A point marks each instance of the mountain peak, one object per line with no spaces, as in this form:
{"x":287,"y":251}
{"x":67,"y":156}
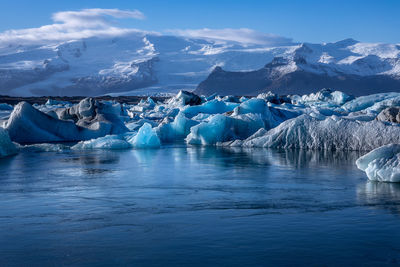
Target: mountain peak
{"x":346,"y":42}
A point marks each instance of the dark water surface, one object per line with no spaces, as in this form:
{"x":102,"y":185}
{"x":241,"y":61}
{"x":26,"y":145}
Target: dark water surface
{"x":195,"y":206}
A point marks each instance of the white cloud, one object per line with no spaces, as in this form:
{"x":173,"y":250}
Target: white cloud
{"x":74,"y":25}
{"x":86,"y":23}
{"x":242,"y":35}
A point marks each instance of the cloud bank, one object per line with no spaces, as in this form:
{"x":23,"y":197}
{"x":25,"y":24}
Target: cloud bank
{"x":242,"y":35}
{"x":86,"y":23}
{"x":71,"y":25}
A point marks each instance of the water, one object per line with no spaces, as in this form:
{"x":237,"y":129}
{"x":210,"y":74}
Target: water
{"x":195,"y":206}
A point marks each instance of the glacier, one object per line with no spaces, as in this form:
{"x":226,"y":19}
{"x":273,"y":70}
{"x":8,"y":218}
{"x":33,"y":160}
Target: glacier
{"x":145,"y":63}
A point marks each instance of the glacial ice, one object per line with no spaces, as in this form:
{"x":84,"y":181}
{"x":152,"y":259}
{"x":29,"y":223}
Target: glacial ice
{"x":374,"y":102}
{"x":84,"y":121}
{"x":324,"y":97}
{"x":175,"y":130}
{"x":382,"y":164}
{"x":331,"y":133}
{"x":221,"y":128}
{"x":214,"y":106}
{"x":105,"y":142}
{"x":145,"y":138}
{"x":7,"y":147}
{"x":53,"y":102}
{"x":5,"y":106}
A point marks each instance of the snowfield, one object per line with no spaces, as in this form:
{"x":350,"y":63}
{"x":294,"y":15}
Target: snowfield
{"x":325,"y":120}
{"x":149,"y":63}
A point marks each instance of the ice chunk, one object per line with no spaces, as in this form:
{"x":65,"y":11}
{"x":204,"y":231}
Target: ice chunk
{"x":178,"y":129}
{"x":325,"y":95}
{"x":7,"y":147}
{"x":29,"y":125}
{"x":45,"y":147}
{"x":184,"y":98}
{"x":332,"y":133}
{"x":382,"y":164}
{"x":211,"y":107}
{"x":145,"y":138}
{"x":106,"y":142}
{"x":222,"y":128}
{"x":272,"y":116}
{"x":4,"y":106}
{"x":364,"y":102}
{"x":53,"y":102}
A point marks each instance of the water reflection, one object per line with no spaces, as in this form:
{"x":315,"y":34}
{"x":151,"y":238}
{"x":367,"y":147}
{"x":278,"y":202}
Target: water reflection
{"x":380,"y":195}
{"x":235,"y":156}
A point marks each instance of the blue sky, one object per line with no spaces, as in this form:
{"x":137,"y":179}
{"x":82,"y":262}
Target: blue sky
{"x":302,"y":20}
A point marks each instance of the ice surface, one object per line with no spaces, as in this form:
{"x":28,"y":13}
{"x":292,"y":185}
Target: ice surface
{"x":324,"y":97}
{"x":364,"y":102}
{"x":145,"y":138}
{"x":221,"y":128}
{"x":331,"y":133}
{"x":106,"y":142}
{"x":211,"y":107}
{"x":7,"y":147}
{"x":382,"y":164}
{"x":178,"y":129}
{"x":53,"y":102}
{"x":29,"y":125}
{"x":4,"y":106}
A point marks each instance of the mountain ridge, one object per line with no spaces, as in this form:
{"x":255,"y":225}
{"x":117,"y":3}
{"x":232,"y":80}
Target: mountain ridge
{"x":143,"y":62}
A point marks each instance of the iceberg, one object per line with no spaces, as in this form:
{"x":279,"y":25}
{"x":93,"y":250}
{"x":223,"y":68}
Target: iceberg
{"x":53,"y":102}
{"x":211,"y":107}
{"x":176,"y":130}
{"x":106,"y":142}
{"x":374,"y":102}
{"x":7,"y":148}
{"x":331,"y":133}
{"x":4,"y":106}
{"x":29,"y":125}
{"x":145,"y":138}
{"x":221,"y":128}
{"x":324,"y":97}
{"x":382,"y":164}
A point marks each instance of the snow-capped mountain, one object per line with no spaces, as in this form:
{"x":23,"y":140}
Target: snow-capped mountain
{"x":353,"y":67}
{"x":139,"y":63}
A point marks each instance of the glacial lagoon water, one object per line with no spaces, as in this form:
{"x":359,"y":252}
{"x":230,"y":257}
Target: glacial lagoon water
{"x":195,"y":206}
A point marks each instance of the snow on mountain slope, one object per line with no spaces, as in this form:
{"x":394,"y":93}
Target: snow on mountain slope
{"x":121,"y":65}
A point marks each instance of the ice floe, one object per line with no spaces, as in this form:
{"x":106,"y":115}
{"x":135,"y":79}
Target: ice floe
{"x":382,"y":164}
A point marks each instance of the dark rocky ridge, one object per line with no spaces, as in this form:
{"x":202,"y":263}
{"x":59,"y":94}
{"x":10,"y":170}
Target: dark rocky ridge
{"x":298,"y":82}
{"x":131,"y":100}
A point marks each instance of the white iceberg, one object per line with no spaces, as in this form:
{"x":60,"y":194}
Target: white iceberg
{"x":331,"y":133}
{"x":373,"y":102}
{"x":105,"y":142}
{"x":382,"y":164}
